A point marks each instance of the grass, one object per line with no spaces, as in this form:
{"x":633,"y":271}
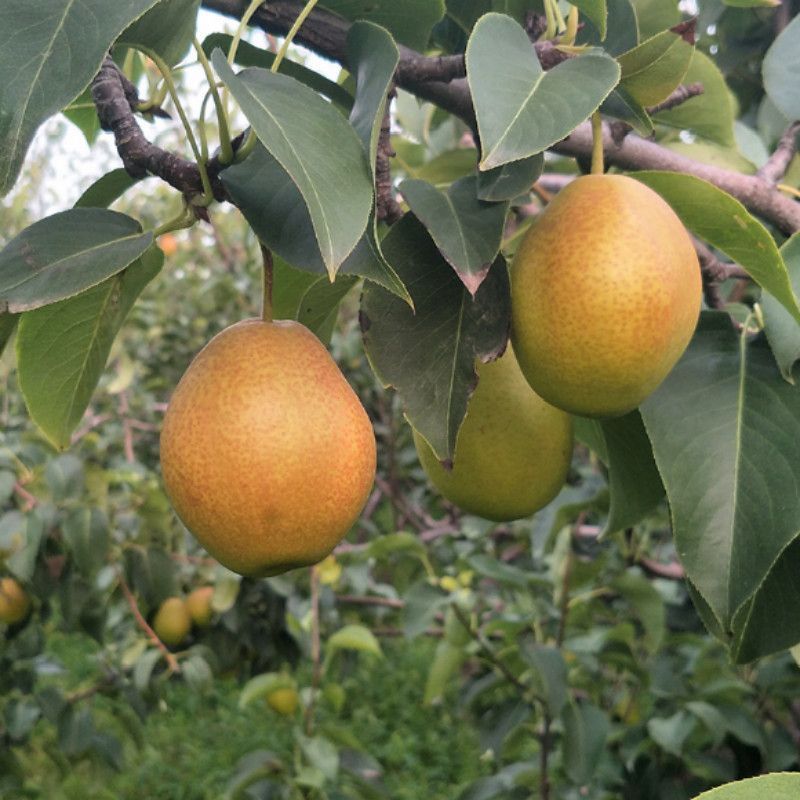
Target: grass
{"x":191,"y":743}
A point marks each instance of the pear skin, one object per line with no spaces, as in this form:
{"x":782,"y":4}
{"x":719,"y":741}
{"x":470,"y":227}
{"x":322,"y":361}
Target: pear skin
{"x":14,"y":601}
{"x":605,"y":296}
{"x":512,"y":452}
{"x":172,"y":622}
{"x":198,"y":604}
{"x":267,"y":454}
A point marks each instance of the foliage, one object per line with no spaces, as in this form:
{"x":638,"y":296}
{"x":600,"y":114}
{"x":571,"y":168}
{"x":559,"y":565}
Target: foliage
{"x":581,"y":661}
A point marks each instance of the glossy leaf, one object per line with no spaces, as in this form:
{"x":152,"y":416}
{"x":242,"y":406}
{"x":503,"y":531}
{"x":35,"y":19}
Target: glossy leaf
{"x":778,"y":786}
{"x":50,"y":51}
{"x":62,"y":348}
{"x":727,"y":225}
{"x":535,"y":108}
{"x":711,"y":114}
{"x":633,"y":481}
{"x":656,"y":15}
{"x":596,"y":11}
{"x":335,"y":181}
{"x":409,"y":22}
{"x":586,"y":729}
{"x":248,"y":55}
{"x":82,"y":113}
{"x":621,"y":104}
{"x":781,"y":328}
{"x":511,"y":180}
{"x":167,"y":28}
{"x":647,"y":604}
{"x":622,"y":32}
{"x":652,"y":70}
{"x":429,"y":356}
{"x":550,"y":675}
{"x":467,"y":231}
{"x":62,"y":255}
{"x":721,"y":422}
{"x":106,"y":189}
{"x":780,"y":69}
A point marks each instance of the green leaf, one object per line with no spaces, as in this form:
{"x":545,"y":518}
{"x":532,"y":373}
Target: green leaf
{"x":106,"y":189}
{"x":447,"y":167}
{"x":780,"y":327}
{"x":248,"y":55}
{"x":354,"y":637}
{"x":409,"y":22}
{"x":780,"y":69}
{"x":670,"y":733}
{"x":656,"y":15}
{"x":23,"y":563}
{"x":647,"y":603}
{"x":510,"y":180}
{"x":550,"y":672}
{"x":447,"y":661}
{"x":596,"y":11}
{"x":727,"y":225}
{"x":83,"y":114}
{"x":711,"y":114}
{"x":62,"y":348}
{"x":429,"y":356}
{"x":86,"y":534}
{"x":62,"y":255}
{"x":335,"y":181}
{"x":622,"y":32}
{"x":168,"y":28}
{"x":51,"y":50}
{"x":586,"y":729}
{"x":652,"y":70}
{"x":721,"y":421}
{"x":633,"y":481}
{"x":620,"y":104}
{"x":778,"y":786}
{"x":467,"y":231}
{"x":535,"y":109}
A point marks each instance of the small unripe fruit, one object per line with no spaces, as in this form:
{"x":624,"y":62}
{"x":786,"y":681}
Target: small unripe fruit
{"x":283,"y":701}
{"x":198,"y":604}
{"x":172,"y":622}
{"x":14,"y":601}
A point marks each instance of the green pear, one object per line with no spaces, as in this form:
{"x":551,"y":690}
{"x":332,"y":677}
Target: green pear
{"x":512,"y":451}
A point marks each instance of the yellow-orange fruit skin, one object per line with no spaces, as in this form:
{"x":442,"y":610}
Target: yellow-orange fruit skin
{"x":172,"y":622}
{"x":283,"y":701}
{"x":606,"y":293}
{"x":198,"y":604}
{"x":513,"y":449}
{"x":14,"y":602}
{"x":267,"y":454}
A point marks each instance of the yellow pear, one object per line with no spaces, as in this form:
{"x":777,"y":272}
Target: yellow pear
{"x":512,"y":451}
{"x":605,"y":296}
{"x":283,"y":701}
{"x":14,"y":601}
{"x":198,"y":604}
{"x":267,"y":454}
{"x":172,"y":622}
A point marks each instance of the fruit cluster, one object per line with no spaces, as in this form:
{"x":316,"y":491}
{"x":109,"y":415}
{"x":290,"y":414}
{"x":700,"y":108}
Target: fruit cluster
{"x":268,"y":456}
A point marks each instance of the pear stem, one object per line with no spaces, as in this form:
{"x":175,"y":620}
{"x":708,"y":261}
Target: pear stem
{"x":597,"y":144}
{"x":266,"y":302}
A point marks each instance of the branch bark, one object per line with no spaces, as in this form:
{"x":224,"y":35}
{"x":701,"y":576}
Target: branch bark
{"x":326,"y":34}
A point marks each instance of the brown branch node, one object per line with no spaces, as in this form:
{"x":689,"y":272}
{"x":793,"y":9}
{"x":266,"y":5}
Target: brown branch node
{"x":777,"y":164}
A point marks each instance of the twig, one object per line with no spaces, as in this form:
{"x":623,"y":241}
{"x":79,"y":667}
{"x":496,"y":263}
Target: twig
{"x":620,"y":129}
{"x":127,"y":430}
{"x":30,"y":500}
{"x":369,"y":600}
{"x":777,"y":164}
{"x":172,"y":662}
{"x":316,"y":676}
{"x":388,"y":208}
{"x":714,"y":272}
{"x":488,"y":650}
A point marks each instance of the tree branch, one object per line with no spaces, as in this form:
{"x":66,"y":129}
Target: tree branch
{"x":326,"y":34}
{"x":779,"y":161}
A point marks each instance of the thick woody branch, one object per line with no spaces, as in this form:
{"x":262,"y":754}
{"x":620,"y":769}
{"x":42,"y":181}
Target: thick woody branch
{"x":714,"y":273}
{"x":326,"y":34}
{"x":388,"y":208}
{"x":779,"y":161}
{"x":115,"y":99}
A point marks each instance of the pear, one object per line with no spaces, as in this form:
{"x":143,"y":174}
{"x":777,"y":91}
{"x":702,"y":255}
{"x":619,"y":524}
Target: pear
{"x":605,"y":296}
{"x":14,"y":601}
{"x":512,"y":451}
{"x":198,"y":604}
{"x":172,"y":622}
{"x":267,"y":454}
{"x":283,"y":701}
